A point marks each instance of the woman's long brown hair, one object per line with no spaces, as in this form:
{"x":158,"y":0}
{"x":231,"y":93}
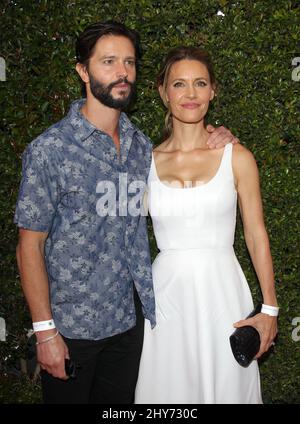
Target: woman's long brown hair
{"x":175,"y":55}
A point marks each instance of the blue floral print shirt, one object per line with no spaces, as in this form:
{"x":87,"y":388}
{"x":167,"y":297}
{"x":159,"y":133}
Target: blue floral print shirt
{"x":88,"y":198}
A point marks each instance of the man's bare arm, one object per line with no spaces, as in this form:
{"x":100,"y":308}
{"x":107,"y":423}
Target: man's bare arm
{"x":34,"y":280}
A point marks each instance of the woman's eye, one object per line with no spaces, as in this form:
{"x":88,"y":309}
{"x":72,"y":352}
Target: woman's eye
{"x":201,"y":83}
{"x":178,"y":84}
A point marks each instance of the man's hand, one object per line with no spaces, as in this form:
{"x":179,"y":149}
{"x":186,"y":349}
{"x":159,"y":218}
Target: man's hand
{"x":51,"y":355}
{"x":219,"y":137}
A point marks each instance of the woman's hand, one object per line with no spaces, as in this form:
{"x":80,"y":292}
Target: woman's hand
{"x":266,"y":325}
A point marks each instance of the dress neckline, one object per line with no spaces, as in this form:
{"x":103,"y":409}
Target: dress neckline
{"x":191,"y":188}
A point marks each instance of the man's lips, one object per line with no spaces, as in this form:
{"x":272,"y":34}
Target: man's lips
{"x":122,"y":85}
{"x":190,"y":105}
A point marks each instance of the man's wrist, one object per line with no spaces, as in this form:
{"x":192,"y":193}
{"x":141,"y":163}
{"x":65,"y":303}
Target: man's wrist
{"x":47,"y":339}
{"x":41,"y":335}
{"x":43,"y":325}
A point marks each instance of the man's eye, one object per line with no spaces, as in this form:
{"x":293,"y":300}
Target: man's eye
{"x":108,"y":61}
{"x":130,"y":62}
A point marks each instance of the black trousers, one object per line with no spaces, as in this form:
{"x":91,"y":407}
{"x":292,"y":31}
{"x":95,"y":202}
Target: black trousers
{"x":108,"y":373}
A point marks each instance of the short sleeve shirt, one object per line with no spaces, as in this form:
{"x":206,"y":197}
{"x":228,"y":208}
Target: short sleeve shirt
{"x":88,"y":199}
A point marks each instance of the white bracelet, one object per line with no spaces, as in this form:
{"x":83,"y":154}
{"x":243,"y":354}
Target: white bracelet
{"x":48,"y":339}
{"x":43,"y":325}
{"x":270,"y":310}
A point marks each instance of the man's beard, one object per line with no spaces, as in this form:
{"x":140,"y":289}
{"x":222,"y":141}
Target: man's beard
{"x":103,"y":93}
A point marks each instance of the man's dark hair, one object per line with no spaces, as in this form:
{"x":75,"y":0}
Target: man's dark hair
{"x":85,"y":44}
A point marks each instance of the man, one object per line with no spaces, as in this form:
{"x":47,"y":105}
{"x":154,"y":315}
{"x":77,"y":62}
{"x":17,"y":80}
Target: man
{"x":84,"y":262}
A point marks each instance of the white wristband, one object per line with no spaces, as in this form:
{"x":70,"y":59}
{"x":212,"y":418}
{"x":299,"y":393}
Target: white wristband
{"x":43,"y":325}
{"x":270,"y":310}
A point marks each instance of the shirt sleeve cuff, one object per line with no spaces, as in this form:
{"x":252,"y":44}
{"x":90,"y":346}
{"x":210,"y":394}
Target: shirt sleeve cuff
{"x":33,"y":226}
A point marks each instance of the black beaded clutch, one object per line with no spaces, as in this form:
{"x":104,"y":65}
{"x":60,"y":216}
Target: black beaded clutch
{"x":245,"y":342}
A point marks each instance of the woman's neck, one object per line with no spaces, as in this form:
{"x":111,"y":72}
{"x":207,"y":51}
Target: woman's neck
{"x":187,"y":137}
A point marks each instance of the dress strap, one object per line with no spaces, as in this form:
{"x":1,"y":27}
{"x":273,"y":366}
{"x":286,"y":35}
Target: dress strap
{"x":226,"y":164}
{"x":152,"y":173}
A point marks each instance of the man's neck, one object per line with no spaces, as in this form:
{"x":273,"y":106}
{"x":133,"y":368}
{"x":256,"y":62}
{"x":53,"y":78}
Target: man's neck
{"x":102,"y":117}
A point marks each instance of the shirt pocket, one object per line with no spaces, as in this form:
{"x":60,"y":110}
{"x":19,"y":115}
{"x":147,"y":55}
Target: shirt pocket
{"x":78,"y":206}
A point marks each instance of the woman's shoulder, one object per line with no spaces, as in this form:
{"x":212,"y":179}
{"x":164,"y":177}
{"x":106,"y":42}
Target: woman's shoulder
{"x":160,"y":152}
{"x":243,"y":159}
{"x":242,"y":153}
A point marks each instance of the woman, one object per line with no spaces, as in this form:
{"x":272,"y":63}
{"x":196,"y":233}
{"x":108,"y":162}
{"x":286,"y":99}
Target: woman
{"x":200,"y":289}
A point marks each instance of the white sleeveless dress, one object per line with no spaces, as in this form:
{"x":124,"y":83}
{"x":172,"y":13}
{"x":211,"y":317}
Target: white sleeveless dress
{"x":200,"y":291}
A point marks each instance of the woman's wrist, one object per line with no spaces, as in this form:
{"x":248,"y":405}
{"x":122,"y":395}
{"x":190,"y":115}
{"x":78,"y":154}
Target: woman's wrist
{"x":270,"y":310}
{"x":269,"y":298}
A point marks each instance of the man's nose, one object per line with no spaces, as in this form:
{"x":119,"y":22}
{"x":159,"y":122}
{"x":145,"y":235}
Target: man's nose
{"x":122,"y":71}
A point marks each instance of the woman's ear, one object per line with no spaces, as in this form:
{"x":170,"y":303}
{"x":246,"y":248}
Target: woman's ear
{"x":82,"y":72}
{"x":161,"y":91}
{"x":163,"y":95}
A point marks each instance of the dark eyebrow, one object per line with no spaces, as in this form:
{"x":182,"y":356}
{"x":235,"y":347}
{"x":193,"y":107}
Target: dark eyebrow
{"x":114,"y":57}
{"x":107,"y":57}
{"x":196,"y":79}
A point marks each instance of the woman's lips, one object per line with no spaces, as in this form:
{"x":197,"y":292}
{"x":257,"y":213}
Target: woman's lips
{"x":190,"y":105}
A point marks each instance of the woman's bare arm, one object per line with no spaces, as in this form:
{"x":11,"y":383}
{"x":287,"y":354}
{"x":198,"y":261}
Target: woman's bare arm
{"x":250,"y":204}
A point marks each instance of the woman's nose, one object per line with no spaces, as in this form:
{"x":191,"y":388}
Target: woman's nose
{"x":190,"y":92}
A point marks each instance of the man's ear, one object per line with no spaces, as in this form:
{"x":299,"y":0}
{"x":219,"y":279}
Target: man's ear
{"x":213,"y":92}
{"x":82,"y":72}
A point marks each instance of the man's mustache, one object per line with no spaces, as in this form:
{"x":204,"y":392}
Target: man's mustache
{"x":120,"y":81}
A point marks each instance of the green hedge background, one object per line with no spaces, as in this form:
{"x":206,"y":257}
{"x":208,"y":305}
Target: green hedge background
{"x":252,"y":43}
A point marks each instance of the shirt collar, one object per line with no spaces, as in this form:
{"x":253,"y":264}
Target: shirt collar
{"x":86,"y":128}
{"x":83,"y":129}
{"x":80,"y":124}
